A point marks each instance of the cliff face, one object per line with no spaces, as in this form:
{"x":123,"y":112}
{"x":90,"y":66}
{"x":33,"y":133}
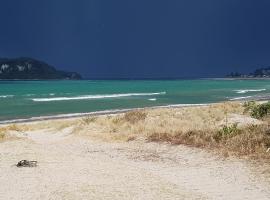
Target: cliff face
{"x":28,"y":68}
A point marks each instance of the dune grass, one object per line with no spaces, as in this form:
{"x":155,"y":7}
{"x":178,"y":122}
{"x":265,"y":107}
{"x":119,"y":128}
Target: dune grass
{"x":144,"y":123}
{"x":204,"y":127}
{"x":250,"y":141}
{"x":5,"y":130}
{"x":2,"y":134}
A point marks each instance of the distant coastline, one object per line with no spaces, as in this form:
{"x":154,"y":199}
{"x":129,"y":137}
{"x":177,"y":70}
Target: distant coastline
{"x":239,"y":78}
{"x":260,"y":73}
{"x":32,"y":69}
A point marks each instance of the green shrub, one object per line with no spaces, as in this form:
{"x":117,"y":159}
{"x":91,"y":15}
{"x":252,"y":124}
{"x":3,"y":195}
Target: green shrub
{"x":257,"y":110}
{"x":227,"y":131}
{"x":261,"y":110}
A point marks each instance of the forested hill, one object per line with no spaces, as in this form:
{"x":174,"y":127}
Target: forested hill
{"x":28,"y":68}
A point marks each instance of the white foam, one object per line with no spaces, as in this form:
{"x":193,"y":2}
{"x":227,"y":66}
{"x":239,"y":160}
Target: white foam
{"x":6,"y":96}
{"x":96,"y":96}
{"x":239,"y":98}
{"x":153,"y":99}
{"x":248,"y":90}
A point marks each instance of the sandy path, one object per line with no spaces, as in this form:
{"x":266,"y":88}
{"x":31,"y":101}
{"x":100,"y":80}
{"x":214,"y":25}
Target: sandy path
{"x":72,"y":167}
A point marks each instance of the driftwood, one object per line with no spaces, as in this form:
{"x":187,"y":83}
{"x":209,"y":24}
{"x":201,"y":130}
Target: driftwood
{"x":26,"y":163}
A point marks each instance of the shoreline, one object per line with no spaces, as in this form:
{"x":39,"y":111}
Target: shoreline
{"x":261,"y":98}
{"x":240,"y":78}
{"x":158,"y":148}
{"x":96,"y":113}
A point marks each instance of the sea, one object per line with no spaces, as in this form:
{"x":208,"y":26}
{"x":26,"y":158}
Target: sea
{"x":20,"y":100}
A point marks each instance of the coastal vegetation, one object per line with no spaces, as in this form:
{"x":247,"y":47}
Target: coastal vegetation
{"x":2,"y":133}
{"x":256,"y":110}
{"x":6,"y":130}
{"x":211,"y":127}
{"x":229,"y":128}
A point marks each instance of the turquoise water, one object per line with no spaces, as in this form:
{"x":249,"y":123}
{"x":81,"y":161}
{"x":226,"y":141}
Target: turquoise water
{"x":26,"y":99}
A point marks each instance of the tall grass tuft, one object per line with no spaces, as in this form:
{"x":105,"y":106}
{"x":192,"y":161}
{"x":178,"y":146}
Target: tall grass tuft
{"x":2,"y":133}
{"x":135,"y":116}
{"x":88,"y":119}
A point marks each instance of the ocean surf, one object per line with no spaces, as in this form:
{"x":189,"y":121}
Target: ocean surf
{"x":27,"y":99}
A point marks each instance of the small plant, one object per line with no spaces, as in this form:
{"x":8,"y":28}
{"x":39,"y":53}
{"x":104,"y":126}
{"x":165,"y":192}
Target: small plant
{"x":116,"y":120}
{"x":3,"y":131}
{"x":13,"y":127}
{"x":135,"y":116}
{"x":227,"y":131}
{"x":253,"y":127}
{"x":2,"y":135}
{"x":249,"y":105}
{"x":89,"y":119}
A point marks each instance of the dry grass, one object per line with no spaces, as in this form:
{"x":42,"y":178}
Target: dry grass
{"x":249,"y":141}
{"x":205,"y":127}
{"x":88,"y":119}
{"x":195,"y":126}
{"x":144,"y":123}
{"x":2,"y":133}
{"x":5,"y":130}
{"x":135,"y":116}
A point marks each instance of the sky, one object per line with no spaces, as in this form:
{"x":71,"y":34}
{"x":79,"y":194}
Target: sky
{"x":139,"y":38}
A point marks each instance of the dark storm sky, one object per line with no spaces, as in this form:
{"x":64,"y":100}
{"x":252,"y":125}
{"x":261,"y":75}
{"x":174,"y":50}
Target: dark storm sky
{"x":139,"y":38}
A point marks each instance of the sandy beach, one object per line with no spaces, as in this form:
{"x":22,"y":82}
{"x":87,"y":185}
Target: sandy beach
{"x":134,"y":100}
{"x":99,"y":160}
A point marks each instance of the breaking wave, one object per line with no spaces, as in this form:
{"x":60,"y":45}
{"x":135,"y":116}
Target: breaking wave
{"x":6,"y":96}
{"x":96,"y":96}
{"x":240,"y":98}
{"x":248,"y":90}
{"x":29,"y":95}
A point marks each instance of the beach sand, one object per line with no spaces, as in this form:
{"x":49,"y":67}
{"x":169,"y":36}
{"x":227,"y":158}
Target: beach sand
{"x":78,"y":166}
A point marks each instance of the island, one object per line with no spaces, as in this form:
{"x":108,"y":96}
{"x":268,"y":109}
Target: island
{"x":32,"y":69}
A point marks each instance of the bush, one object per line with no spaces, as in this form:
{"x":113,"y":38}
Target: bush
{"x":261,"y":111}
{"x":257,"y":111}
